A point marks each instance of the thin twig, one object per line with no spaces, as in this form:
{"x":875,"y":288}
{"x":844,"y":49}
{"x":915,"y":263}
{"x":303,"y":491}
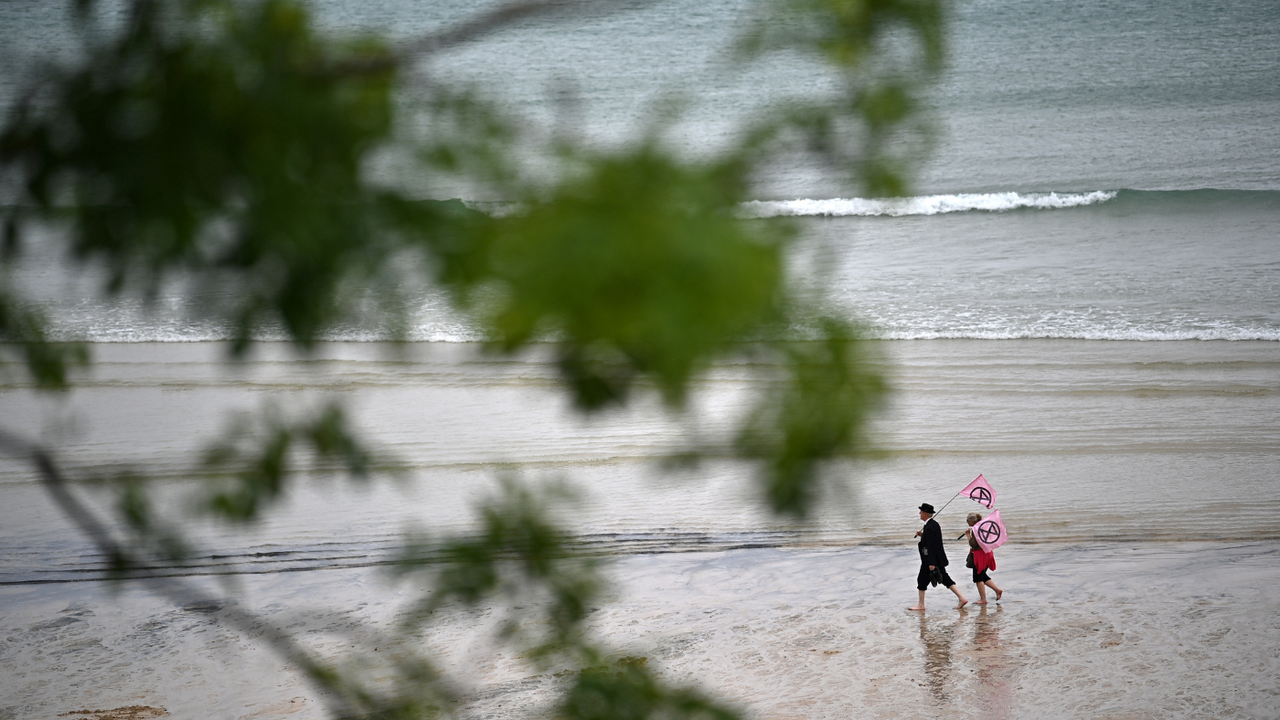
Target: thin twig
{"x":495,"y":20}
{"x":486,"y":24}
{"x":176,"y":591}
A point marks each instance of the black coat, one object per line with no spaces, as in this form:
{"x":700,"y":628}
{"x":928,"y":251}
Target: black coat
{"x":931,"y":550}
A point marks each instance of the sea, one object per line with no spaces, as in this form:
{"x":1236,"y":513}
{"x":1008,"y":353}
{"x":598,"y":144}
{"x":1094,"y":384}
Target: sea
{"x":1079,"y":300}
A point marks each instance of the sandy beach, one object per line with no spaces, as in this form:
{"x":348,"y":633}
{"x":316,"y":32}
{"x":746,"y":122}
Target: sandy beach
{"x":1106,"y":631}
{"x":1134,"y":479}
{"x":1077,"y":299}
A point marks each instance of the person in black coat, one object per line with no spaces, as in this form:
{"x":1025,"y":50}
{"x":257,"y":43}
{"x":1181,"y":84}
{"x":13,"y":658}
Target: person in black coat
{"x":933,"y":559}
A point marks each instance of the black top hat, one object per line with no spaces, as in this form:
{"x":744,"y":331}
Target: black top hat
{"x":926,"y":507}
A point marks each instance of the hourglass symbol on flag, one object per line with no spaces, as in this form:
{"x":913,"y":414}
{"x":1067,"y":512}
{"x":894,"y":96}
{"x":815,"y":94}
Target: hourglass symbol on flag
{"x":990,"y":532}
{"x":981,"y":492}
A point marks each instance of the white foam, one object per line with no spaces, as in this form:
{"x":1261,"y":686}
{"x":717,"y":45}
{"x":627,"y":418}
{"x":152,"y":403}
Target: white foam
{"x":1091,"y":334}
{"x":879,"y":326}
{"x":923,"y":205}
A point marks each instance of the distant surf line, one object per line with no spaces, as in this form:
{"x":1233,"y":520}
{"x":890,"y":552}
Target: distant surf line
{"x":921,"y":205}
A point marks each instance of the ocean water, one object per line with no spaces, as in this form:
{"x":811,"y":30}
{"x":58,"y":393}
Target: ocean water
{"x":1099,"y":172}
{"x":1081,"y":300}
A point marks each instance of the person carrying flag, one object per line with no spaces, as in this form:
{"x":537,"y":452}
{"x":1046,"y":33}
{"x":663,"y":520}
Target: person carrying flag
{"x":981,"y":561}
{"x":933,"y":559}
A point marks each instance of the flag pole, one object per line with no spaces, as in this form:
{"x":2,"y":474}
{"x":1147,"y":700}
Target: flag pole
{"x":944,"y":507}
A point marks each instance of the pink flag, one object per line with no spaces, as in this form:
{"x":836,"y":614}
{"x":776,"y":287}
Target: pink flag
{"x":990,"y":532}
{"x":980,"y":492}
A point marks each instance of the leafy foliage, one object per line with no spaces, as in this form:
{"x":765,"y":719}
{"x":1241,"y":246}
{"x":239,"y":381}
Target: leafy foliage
{"x":47,"y":363}
{"x":627,"y":690}
{"x":226,"y":144}
{"x":254,"y":462}
{"x":232,"y":152}
{"x":816,"y":413}
{"x":861,"y":41}
{"x":520,"y":557}
{"x":637,"y":267}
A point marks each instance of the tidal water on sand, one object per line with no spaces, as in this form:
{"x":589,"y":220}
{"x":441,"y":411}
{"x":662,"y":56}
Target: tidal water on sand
{"x":1119,"y":631}
{"x":1135,"y":479}
{"x":1080,"y":301}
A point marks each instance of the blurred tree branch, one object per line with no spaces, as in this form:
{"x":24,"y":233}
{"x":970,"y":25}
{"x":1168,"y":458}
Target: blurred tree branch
{"x":345,"y":698}
{"x":228,"y":143}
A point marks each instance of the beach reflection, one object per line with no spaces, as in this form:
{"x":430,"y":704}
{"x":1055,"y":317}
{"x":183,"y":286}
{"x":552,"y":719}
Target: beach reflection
{"x":952,"y":662}
{"x":937,"y":638}
{"x":994,"y":667}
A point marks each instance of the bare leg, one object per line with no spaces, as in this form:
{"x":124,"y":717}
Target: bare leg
{"x":993,"y":586}
{"x":982,"y":593}
{"x":920,"y":605}
{"x":963,"y":600}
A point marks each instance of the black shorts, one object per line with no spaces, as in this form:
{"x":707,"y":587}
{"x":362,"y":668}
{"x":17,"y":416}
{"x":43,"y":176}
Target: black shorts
{"x":980,"y":576}
{"x":922,"y":580}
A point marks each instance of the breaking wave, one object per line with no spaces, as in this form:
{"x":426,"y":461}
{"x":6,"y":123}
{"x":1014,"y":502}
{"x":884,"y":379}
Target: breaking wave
{"x":924,"y":205}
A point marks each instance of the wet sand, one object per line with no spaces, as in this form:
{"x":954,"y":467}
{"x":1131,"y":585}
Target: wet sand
{"x":1108,"y":457}
{"x":1104,"y":631}
{"x":1084,"y":441}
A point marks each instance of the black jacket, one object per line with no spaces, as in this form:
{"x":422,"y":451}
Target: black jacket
{"x":931,"y":550}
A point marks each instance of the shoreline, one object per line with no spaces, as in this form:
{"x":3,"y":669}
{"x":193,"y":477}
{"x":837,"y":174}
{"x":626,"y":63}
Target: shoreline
{"x":1074,"y":435}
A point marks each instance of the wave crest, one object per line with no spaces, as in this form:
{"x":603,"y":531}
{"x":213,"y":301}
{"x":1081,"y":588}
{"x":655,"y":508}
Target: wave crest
{"x":923,"y":205}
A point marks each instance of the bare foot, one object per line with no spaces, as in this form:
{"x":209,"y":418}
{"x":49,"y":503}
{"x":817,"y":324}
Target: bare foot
{"x":998,"y":594}
{"x":918,"y":608}
{"x":980,"y":602}
{"x":963,"y":602}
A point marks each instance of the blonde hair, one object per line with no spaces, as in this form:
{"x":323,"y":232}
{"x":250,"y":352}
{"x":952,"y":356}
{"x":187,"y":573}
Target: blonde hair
{"x":972,"y":518}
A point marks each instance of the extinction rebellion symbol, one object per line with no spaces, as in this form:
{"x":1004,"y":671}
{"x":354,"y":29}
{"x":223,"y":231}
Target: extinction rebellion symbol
{"x":982,"y":496}
{"x":988,"y":532}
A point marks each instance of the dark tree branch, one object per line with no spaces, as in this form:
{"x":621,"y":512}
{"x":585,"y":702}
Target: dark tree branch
{"x":488,"y":23}
{"x":495,"y":20}
{"x":54,"y":482}
{"x":175,"y":590}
